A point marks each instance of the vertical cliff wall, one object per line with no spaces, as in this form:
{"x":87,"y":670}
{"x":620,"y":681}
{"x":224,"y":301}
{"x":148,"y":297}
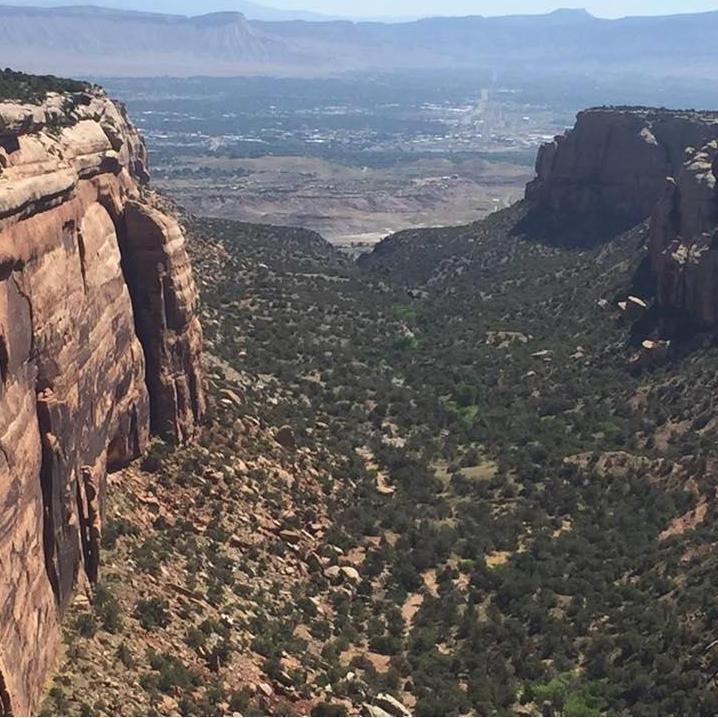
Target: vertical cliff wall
{"x":635,"y":163}
{"x":614,"y":161}
{"x":684,"y":238}
{"x":99,"y":345}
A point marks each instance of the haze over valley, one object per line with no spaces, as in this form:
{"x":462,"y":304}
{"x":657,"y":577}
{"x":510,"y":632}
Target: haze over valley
{"x":358,"y":156}
{"x":353,"y":158}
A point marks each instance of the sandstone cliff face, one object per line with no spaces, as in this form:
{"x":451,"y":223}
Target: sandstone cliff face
{"x":99,"y":344}
{"x":684,"y":239}
{"x":615,"y":161}
{"x":635,"y":163}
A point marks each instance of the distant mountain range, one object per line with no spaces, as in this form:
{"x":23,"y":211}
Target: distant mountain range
{"x":190,"y":8}
{"x":92,"y":41}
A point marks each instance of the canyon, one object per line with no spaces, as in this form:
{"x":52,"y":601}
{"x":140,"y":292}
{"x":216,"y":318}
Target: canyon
{"x":385,"y":441}
{"x":99,"y":346}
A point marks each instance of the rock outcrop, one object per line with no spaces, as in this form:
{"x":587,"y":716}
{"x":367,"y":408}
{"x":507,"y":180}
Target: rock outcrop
{"x":684,"y":239}
{"x":99,"y":344}
{"x":614,"y":162}
{"x":635,"y":163}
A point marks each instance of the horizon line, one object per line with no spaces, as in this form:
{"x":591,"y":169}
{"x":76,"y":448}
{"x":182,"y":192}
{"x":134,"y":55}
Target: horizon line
{"x":388,"y":19}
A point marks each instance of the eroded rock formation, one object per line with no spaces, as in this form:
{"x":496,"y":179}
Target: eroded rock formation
{"x":615,"y":161}
{"x":684,"y":238}
{"x":99,"y":344}
{"x":635,"y":163}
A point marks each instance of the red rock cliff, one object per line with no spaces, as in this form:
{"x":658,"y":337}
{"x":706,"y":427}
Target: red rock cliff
{"x":615,"y":160}
{"x":684,"y":238}
{"x":99,"y":345}
{"x":636,"y":163}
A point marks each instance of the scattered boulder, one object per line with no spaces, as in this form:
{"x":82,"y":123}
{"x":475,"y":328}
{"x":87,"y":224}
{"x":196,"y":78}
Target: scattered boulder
{"x":350,"y":573}
{"x":340,"y":574}
{"x":333,"y":573}
{"x":290,"y":536}
{"x":392,"y":706}
{"x":232,"y":397}
{"x":632,"y":308}
{"x":417,"y":293}
{"x":544,"y":355}
{"x":651,"y":354}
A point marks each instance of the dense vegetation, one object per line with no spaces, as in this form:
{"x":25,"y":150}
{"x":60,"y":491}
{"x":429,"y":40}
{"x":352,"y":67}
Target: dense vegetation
{"x":533,"y":474}
{"x":18,"y":86}
{"x":527,"y":524}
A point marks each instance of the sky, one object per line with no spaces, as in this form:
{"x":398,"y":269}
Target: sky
{"x":600,"y":8}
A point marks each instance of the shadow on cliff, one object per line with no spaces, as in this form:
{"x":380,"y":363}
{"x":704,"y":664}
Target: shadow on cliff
{"x":579,"y":232}
{"x":685,"y":335}
{"x":673,"y":325}
{"x":566,"y":230}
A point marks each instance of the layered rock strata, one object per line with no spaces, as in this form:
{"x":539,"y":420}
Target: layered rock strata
{"x":99,"y":344}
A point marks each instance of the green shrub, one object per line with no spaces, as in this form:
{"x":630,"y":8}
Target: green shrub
{"x":107,"y":609}
{"x":86,"y":625}
{"x":152,"y":613}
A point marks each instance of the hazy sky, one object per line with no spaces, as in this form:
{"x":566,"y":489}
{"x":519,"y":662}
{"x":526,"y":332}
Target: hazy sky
{"x":601,"y":8}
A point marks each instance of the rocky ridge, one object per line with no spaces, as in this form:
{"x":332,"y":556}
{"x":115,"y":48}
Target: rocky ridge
{"x":116,"y":42}
{"x":99,"y":345}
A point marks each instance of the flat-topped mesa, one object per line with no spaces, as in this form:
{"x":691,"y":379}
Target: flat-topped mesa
{"x":99,"y":344}
{"x":614,"y":162}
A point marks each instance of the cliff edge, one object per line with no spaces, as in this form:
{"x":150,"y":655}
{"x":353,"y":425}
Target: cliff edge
{"x":615,"y":160}
{"x":99,"y":346}
{"x":627,"y":164}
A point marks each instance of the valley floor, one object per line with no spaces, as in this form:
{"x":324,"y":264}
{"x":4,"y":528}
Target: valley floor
{"x":431,"y":476}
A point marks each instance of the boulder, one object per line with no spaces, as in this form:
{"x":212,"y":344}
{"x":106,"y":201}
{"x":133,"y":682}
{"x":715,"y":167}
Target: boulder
{"x":392,"y":706}
{"x":350,"y":573}
{"x":653,"y":353}
{"x":374,"y":711}
{"x":333,"y":573}
{"x":632,"y":308}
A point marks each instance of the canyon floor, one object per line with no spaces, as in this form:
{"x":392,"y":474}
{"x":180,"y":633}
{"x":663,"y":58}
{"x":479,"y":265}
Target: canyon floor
{"x":418,"y":490}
